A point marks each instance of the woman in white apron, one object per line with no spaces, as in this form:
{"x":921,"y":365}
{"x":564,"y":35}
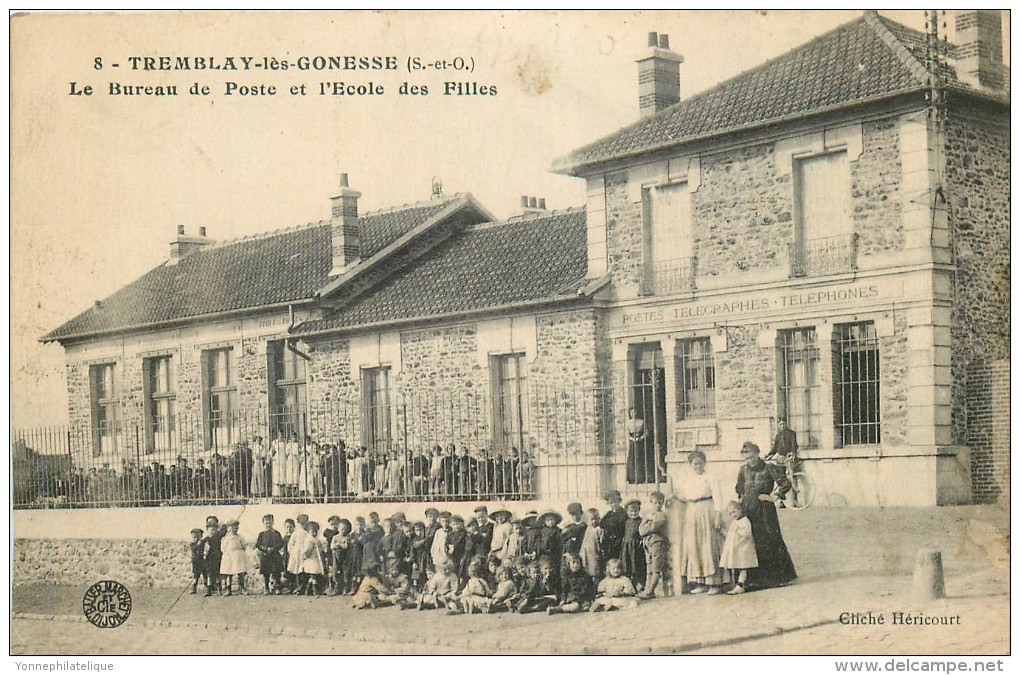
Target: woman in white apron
{"x":258,"y":469}
{"x":702,"y":528}
{"x":278,"y":452}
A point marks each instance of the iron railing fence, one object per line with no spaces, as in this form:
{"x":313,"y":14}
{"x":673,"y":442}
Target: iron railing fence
{"x":669,"y":276}
{"x":827,"y":255}
{"x":440,"y":446}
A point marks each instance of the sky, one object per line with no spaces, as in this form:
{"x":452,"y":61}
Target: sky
{"x":99,"y":183}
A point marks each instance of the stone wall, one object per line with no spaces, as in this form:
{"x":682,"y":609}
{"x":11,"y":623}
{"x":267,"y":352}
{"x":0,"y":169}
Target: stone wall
{"x":977,"y":186}
{"x":893,"y":386}
{"x":567,"y":418}
{"x":443,"y":388}
{"x":745,"y":376}
{"x":80,"y":562}
{"x":623,"y":236}
{"x":743,"y":212}
{"x":875,"y":184}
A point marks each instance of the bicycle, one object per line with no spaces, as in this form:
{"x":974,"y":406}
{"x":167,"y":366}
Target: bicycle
{"x":802,"y":490}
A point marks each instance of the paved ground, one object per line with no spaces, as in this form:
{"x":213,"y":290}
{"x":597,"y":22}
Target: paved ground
{"x":850,"y":560}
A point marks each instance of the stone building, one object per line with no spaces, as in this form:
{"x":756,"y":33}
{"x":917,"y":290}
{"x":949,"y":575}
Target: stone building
{"x":822,"y":239}
{"x":825,"y":239}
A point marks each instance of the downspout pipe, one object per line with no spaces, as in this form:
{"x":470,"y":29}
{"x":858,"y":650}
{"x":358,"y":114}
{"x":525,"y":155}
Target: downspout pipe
{"x":291,"y":341}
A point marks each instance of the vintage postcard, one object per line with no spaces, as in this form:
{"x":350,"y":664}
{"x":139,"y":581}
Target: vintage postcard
{"x":521,"y":332}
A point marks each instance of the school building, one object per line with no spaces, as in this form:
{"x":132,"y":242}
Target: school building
{"x":822,"y":239}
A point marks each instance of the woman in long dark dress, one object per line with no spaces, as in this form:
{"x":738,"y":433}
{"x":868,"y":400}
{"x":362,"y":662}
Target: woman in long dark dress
{"x":637,"y":456}
{"x":756,"y":482}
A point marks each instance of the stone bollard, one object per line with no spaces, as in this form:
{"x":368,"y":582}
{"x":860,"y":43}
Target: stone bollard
{"x":929,"y":583}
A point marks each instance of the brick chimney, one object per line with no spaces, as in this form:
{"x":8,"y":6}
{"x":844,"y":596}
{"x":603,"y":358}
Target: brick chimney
{"x":979,"y":41}
{"x":345,"y":228}
{"x":658,"y":76}
{"x":185,"y":245}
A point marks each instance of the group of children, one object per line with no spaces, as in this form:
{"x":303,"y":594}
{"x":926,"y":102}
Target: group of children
{"x":489,"y":563}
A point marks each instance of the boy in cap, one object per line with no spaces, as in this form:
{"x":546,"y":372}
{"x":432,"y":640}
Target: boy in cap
{"x":656,"y":543}
{"x":197,"y":562}
{"x":269,"y":547}
{"x":212,"y":554}
{"x":482,"y":539}
{"x":532,"y":528}
{"x":613,"y":524}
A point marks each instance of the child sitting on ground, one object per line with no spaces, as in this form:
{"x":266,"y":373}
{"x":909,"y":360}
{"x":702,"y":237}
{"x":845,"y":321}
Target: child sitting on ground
{"x":440,"y":588}
{"x":373,"y":591}
{"x":505,"y":591}
{"x":738,"y":553}
{"x":400,"y":585}
{"x":615,"y":591}
{"x":477,"y":593}
{"x":197,"y":561}
{"x":578,"y":588}
{"x":543,"y":592}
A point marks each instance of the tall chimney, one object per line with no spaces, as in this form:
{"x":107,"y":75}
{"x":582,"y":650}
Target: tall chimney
{"x":979,"y":41}
{"x":345,"y":228}
{"x":183,"y":245}
{"x":658,"y":76}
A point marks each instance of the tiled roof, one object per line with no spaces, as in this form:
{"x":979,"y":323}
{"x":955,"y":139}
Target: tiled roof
{"x":868,"y":58}
{"x":284,"y":266}
{"x":484,"y":267}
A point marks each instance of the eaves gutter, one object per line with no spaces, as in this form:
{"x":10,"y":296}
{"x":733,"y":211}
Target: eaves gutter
{"x":390,"y":323}
{"x":175,"y":322}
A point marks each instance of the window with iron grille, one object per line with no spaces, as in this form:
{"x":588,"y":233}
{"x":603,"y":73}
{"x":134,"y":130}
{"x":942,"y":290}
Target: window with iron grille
{"x":798,"y":384}
{"x":105,"y":404}
{"x":695,"y":379}
{"x":375,"y":388}
{"x":219,"y":389}
{"x":856,"y":384}
{"x":508,"y":373}
{"x":160,"y":403}
{"x":287,"y":390}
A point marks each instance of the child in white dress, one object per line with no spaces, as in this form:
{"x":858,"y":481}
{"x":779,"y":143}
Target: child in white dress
{"x":235,"y":560}
{"x":738,"y":554}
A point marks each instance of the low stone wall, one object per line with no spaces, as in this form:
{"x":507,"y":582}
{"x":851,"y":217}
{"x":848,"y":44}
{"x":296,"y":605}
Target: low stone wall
{"x":81,"y":562}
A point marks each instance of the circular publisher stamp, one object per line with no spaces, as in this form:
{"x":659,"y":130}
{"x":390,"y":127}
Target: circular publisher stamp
{"x":107,"y":604}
